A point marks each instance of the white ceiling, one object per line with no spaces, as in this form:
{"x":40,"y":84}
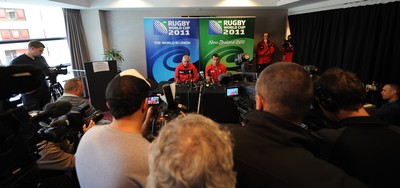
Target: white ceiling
{"x":293,"y":6}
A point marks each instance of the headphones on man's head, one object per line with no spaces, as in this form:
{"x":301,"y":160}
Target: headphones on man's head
{"x":325,"y":99}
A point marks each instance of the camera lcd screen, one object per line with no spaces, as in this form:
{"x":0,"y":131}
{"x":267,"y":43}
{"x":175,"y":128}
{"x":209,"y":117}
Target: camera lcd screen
{"x":153,"y":100}
{"x":231,"y":92}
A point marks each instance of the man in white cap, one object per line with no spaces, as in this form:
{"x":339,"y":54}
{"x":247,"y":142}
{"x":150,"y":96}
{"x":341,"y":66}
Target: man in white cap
{"x":115,"y":155}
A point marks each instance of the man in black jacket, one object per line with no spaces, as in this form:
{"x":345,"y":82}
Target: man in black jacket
{"x":38,"y":98}
{"x":390,"y":112}
{"x":365,"y":147}
{"x":271,"y":149}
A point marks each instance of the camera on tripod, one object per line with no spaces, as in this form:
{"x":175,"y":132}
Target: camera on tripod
{"x":55,"y":71}
{"x":59,"y":69}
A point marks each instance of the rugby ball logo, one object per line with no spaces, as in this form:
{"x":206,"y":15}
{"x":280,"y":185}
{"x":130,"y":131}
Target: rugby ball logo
{"x":214,"y":27}
{"x":160,"y":28}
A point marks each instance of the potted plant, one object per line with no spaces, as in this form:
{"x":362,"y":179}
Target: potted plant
{"x":114,"y":54}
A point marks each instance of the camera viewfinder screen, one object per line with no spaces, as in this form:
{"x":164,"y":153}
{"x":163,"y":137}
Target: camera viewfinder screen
{"x":230,"y":92}
{"x":154,"y":100}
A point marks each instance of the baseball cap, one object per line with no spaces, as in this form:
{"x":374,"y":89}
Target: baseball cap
{"x":127,"y":84}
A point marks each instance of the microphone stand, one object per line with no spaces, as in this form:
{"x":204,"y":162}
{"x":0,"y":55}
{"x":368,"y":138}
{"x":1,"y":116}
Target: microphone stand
{"x":178,"y":81}
{"x":199,"y":100}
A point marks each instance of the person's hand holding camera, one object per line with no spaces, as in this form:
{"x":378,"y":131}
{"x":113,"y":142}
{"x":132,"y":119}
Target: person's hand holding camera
{"x":86,"y":128}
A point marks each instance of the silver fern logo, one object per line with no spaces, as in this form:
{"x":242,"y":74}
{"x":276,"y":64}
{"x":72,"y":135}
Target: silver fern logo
{"x":214,"y":27}
{"x":160,"y":28}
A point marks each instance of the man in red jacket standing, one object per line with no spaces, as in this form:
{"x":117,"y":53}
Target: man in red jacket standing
{"x":265,"y":49}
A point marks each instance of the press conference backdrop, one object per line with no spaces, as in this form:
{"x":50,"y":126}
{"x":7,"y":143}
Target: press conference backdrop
{"x":168,"y":39}
{"x":226,"y":36}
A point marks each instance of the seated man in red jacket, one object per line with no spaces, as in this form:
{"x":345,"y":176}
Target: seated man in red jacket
{"x":215,"y":69}
{"x":186,"y":72}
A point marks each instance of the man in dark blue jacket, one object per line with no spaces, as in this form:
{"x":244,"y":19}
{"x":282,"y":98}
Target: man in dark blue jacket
{"x":390,"y":112}
{"x":365,"y":147}
{"x":272,"y":149}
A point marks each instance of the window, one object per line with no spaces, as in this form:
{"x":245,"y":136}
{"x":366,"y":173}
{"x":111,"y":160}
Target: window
{"x":2,"y":13}
{"x":12,"y":14}
{"x":20,"y":14}
{"x":5,"y":34}
{"x":14,"y":34}
{"x":45,"y":24}
{"x":24,"y":33}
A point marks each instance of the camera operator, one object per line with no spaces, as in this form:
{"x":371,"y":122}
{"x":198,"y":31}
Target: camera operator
{"x":57,"y":161}
{"x":73,"y":93}
{"x":116,"y":155}
{"x":38,"y":98}
{"x":287,"y":49}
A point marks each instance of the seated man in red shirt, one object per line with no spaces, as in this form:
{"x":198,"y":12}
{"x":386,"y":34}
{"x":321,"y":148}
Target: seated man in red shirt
{"x":186,"y":72}
{"x":215,"y":69}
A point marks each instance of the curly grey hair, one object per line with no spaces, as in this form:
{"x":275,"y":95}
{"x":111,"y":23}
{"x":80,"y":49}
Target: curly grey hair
{"x":191,"y":151}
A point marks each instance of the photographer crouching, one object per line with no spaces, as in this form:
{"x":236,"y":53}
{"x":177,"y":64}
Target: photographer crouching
{"x":32,"y":141}
{"x":57,"y":161}
{"x":57,"y":156}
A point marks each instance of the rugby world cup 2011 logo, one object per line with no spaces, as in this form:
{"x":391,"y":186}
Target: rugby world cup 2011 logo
{"x":160,"y":27}
{"x":214,"y":27}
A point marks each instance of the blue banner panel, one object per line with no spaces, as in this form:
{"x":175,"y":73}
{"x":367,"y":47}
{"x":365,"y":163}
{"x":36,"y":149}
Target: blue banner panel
{"x":167,"y":40}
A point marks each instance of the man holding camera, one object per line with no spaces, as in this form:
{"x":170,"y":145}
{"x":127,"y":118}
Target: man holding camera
{"x":287,"y":49}
{"x":38,"y":98}
{"x":116,"y":155}
{"x":265,"y":49}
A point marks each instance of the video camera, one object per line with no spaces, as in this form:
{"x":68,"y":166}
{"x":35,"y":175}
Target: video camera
{"x":243,"y":95}
{"x":287,"y":45}
{"x":243,"y":60}
{"x":22,"y":130}
{"x":17,"y":135}
{"x":55,"y":71}
{"x":165,"y":108}
{"x":59,"y":69}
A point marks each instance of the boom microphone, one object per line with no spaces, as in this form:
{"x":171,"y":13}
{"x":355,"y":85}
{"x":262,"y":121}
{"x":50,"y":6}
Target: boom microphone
{"x":71,"y":120}
{"x":53,"y":110}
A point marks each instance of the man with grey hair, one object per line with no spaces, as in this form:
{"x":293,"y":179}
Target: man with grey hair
{"x":191,"y":151}
{"x":271,"y":148}
{"x":186,"y":71}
